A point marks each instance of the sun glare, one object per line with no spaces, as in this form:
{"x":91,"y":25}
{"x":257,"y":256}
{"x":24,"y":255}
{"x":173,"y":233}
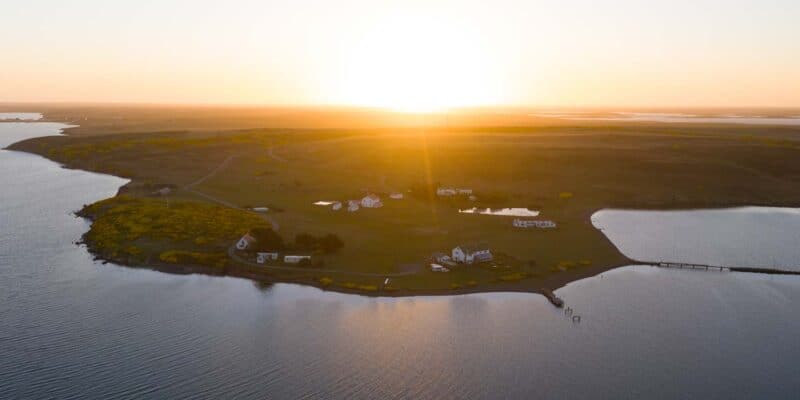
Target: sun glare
{"x":420,"y":64}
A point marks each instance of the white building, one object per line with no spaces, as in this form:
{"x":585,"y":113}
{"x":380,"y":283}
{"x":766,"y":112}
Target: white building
{"x":245,"y":242}
{"x":336,"y":206}
{"x":263,"y":258}
{"x":533,"y":223}
{"x":439,"y":268}
{"x":260,"y":209}
{"x":396,"y":196}
{"x":371,"y":201}
{"x":295,"y":259}
{"x":469,"y":254}
{"x":445,"y":191}
{"x":353,"y":205}
{"x":464,"y":191}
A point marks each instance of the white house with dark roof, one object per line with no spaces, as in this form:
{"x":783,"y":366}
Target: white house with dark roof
{"x":245,"y":242}
{"x":472,"y":253}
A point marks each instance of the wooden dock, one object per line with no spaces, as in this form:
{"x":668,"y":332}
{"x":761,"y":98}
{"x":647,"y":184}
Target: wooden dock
{"x":552,"y":297}
{"x":721,"y":268}
{"x":680,"y":265}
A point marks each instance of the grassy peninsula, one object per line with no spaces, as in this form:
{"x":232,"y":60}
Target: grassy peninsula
{"x":216,"y":173}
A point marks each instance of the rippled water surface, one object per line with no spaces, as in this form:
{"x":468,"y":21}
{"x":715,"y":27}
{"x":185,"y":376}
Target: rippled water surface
{"x":74,"y":328}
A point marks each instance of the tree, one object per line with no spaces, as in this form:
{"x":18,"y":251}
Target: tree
{"x":330,"y":243}
{"x":305,"y":241}
{"x":267,"y":239}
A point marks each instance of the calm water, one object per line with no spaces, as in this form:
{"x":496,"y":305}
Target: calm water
{"x":21,"y":116}
{"x":73,"y":328}
{"x":744,"y":237}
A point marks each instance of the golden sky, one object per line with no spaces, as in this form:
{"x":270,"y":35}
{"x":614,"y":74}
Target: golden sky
{"x":408,"y":55}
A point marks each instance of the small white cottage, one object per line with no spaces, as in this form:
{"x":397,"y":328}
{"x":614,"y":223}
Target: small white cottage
{"x":263,"y":258}
{"x":439,"y":268}
{"x":396,"y":196}
{"x":472,"y":253}
{"x":245,"y":242}
{"x":371,"y":201}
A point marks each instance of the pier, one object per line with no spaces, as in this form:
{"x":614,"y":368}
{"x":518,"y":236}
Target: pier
{"x":721,"y":268}
{"x":552,"y":297}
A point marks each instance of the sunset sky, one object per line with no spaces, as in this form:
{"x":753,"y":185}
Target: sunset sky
{"x":410,"y":55}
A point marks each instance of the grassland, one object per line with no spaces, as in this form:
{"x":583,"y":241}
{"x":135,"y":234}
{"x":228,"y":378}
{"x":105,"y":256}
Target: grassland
{"x":218,"y":173}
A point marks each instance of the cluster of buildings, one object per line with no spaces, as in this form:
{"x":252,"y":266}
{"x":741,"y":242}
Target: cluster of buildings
{"x":265,"y":257}
{"x":462,"y":254}
{"x":446,"y":191}
{"x":369,"y":201}
{"x":533,"y":223}
{"x":247,"y":241}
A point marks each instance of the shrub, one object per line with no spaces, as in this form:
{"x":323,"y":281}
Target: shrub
{"x":516,"y":276}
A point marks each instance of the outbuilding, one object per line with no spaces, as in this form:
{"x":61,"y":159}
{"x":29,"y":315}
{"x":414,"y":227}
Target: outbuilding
{"x":445,"y":191}
{"x":263,"y":258}
{"x":295,"y":259}
{"x":533,"y":223}
{"x":439,"y":268}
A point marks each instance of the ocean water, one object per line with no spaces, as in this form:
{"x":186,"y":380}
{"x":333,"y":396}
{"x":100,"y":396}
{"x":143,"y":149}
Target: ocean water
{"x":72,"y":328}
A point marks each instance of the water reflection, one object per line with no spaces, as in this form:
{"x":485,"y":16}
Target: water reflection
{"x":509,"y":212}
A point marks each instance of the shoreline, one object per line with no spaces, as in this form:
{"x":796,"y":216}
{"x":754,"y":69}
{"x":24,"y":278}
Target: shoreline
{"x":534,"y":284}
{"x":542,"y":286}
{"x":549,"y":284}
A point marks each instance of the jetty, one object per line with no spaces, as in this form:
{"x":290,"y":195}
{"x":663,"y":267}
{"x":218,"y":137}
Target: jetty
{"x":552,"y":297}
{"x":722,"y":268}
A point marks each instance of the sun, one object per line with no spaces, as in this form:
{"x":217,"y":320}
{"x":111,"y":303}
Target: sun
{"x":419,"y":64}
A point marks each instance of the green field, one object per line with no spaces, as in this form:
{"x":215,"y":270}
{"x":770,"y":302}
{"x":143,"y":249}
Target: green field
{"x":625,"y":165}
